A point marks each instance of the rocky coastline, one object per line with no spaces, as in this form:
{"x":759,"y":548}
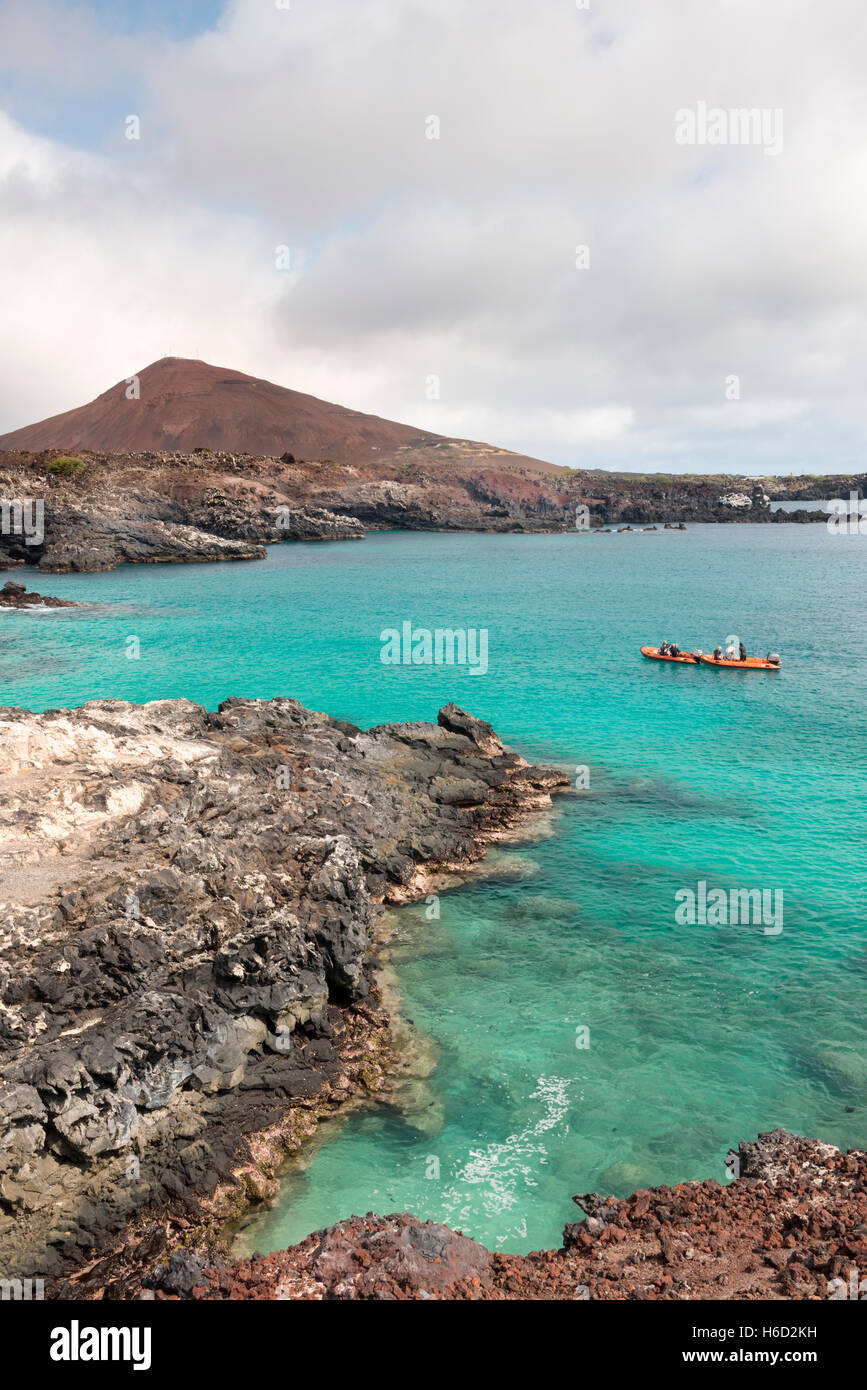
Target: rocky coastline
{"x":187,"y":966}
{"x":189,"y":984}
{"x":793,"y":1225}
{"x":208,"y":506}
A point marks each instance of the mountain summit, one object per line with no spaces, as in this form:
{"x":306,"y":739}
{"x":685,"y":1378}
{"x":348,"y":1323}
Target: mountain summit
{"x":183,"y":404}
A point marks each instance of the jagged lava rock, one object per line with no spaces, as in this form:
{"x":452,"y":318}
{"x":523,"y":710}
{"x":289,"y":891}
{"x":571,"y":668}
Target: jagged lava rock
{"x":188,"y":904}
{"x":792,"y":1226}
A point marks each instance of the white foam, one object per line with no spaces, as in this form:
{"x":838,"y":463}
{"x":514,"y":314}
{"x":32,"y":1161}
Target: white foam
{"x":504,"y":1171}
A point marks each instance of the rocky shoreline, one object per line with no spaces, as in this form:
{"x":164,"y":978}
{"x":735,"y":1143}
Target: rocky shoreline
{"x":211,"y":506}
{"x":187,"y":981}
{"x":793,"y":1225}
{"x":189,"y":984}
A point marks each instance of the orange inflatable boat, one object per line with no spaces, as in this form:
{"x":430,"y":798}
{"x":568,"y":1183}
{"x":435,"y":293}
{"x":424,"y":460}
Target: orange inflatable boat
{"x":685,"y":658}
{"x":752,"y":663}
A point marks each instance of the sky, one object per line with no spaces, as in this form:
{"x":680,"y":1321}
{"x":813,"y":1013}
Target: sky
{"x":542,"y":225}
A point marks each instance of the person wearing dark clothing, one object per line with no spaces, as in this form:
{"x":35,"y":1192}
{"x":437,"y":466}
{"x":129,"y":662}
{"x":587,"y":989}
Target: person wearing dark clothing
{"x":743,"y":652}
{"x":717,"y":653}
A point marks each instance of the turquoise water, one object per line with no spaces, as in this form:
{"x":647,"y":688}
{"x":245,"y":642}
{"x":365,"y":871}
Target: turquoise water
{"x":699,"y":1035}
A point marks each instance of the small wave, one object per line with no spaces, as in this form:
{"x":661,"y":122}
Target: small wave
{"x":505,"y":1170}
{"x":35,"y":608}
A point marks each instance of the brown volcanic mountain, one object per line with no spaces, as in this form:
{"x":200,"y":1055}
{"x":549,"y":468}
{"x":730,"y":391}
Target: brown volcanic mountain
{"x":185,"y":404}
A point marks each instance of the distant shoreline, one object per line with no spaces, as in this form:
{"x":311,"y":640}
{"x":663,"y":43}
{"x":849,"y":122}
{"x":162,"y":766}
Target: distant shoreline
{"x":103,"y":510}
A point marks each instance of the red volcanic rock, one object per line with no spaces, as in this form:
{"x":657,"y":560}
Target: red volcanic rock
{"x":371,"y":1259}
{"x":792,"y":1226}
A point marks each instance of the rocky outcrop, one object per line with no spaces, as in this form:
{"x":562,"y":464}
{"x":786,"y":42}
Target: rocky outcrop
{"x":221,"y":514}
{"x":89,"y":542}
{"x":189,"y":901}
{"x":793,"y":1225}
{"x":216,"y":505}
{"x":98,"y":519}
{"x":16,"y":596}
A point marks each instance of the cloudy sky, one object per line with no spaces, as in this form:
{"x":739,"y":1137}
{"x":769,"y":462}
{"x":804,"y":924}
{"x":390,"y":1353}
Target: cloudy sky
{"x":431,"y":169}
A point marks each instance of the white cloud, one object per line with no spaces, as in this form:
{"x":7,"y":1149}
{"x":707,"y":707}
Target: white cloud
{"x":456,"y":257}
{"x":748,"y":415}
{"x":564,"y":428}
{"x":101,"y":275}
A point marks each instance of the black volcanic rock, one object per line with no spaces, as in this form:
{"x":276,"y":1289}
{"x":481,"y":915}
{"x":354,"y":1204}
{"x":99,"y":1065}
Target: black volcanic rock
{"x":16,"y":596}
{"x":185,"y":933}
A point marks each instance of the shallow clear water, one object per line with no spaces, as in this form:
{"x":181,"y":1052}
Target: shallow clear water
{"x":699,"y":1035}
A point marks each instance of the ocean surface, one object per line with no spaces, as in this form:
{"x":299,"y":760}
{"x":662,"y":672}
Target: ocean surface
{"x":580,"y":1035}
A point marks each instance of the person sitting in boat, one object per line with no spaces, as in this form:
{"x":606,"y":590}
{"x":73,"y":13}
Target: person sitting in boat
{"x":717,"y":653}
{"x":663,"y":648}
{"x":743,"y":652}
{"x":674,"y":649}
{"x":731,"y":652}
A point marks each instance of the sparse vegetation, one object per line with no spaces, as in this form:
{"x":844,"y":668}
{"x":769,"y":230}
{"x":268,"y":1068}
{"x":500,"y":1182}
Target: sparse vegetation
{"x":66,"y":465}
